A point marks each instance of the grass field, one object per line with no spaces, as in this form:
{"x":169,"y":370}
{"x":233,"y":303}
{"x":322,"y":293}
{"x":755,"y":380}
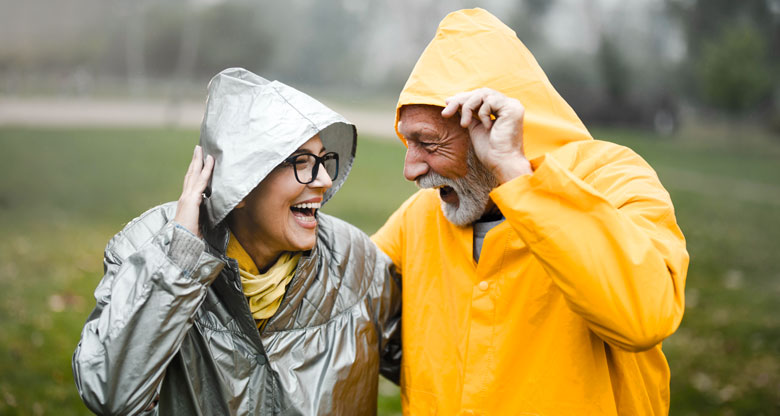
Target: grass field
{"x":65,"y":192}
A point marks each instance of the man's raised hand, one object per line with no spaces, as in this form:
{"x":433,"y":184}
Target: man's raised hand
{"x":496,"y":131}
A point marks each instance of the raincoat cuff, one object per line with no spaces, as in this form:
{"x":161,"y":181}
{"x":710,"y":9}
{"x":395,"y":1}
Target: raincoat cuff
{"x":519,"y":195}
{"x":185,"y":249}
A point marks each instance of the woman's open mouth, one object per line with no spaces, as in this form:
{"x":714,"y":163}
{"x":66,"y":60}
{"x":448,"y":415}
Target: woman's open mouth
{"x":306,"y":213}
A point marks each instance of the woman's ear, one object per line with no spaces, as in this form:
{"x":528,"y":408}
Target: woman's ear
{"x":241,"y":204}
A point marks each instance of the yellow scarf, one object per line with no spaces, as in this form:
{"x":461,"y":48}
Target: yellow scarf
{"x":264,"y":291}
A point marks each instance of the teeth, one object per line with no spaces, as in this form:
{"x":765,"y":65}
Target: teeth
{"x":308,"y":205}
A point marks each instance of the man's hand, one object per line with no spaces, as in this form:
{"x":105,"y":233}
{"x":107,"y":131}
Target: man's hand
{"x":496,"y":131}
{"x":195,"y":182}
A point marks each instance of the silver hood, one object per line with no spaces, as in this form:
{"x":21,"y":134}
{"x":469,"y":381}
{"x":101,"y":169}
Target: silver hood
{"x":251,"y":125}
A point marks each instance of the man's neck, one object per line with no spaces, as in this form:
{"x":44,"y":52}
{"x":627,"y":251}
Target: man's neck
{"x":492,"y":213}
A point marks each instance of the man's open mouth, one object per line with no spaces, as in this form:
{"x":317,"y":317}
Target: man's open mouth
{"x":445,"y":191}
{"x":306,"y":211}
{"x":448,"y":195}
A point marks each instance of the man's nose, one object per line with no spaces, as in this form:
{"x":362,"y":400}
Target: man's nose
{"x":414,"y":164}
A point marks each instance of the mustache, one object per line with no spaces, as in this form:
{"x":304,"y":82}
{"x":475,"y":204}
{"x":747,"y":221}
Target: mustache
{"x":434,"y":180}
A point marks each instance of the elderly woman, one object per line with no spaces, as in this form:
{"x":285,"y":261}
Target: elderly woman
{"x":266,"y":305}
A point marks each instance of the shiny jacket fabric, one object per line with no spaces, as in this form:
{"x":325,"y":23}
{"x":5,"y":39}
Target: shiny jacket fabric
{"x":566,"y":309}
{"x":172,"y":332}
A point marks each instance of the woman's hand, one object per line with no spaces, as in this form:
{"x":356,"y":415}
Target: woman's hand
{"x":195,"y":182}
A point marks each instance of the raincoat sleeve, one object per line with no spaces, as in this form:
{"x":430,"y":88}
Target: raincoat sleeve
{"x":388,"y":317}
{"x":604,"y":229}
{"x":390,"y":237}
{"x":154,"y":283}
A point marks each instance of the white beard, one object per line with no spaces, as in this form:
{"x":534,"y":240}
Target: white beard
{"x":473,"y":191}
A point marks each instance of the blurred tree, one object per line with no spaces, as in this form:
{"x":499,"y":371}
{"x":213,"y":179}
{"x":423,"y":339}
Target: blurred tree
{"x":326,"y":37}
{"x":527,"y":21}
{"x":135,"y":57}
{"x":750,"y":29}
{"x":703,"y":20}
{"x":733,"y":69}
{"x":163,"y":38}
{"x":613,"y":69}
{"x":179,"y":39}
{"x":231,"y":34}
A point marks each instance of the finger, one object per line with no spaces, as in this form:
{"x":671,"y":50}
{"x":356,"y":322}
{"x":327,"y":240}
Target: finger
{"x":190,"y":168}
{"x":453,"y":104}
{"x":451,"y":109}
{"x":198,"y":159}
{"x":506,"y":106}
{"x":469,"y":107}
{"x":205,"y":174}
{"x":485,"y":110}
{"x":196,"y":166}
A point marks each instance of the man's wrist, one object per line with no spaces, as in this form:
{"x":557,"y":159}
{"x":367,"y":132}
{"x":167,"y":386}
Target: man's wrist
{"x":513,"y":168}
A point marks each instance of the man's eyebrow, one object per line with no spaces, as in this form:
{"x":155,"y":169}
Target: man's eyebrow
{"x":422,"y":137}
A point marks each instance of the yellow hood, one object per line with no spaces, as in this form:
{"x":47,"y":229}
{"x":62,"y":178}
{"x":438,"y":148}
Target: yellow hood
{"x":473,"y":49}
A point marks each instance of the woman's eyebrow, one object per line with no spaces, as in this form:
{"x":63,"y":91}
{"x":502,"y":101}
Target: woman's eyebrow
{"x":305,"y":150}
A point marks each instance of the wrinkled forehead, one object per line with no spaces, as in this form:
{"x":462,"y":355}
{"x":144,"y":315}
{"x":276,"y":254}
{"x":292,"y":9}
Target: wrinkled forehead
{"x":419,"y":118}
{"x":431,"y":113}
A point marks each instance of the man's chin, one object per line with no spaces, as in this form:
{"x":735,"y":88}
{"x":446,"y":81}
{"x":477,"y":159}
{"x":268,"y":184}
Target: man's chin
{"x":455,"y":215}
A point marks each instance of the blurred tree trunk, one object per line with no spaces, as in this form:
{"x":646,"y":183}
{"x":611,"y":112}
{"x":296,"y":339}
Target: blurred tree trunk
{"x":185,"y":64}
{"x":188,"y":51}
{"x":134,"y":47}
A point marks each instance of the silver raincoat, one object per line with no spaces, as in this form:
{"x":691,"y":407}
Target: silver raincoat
{"x":172,"y":332}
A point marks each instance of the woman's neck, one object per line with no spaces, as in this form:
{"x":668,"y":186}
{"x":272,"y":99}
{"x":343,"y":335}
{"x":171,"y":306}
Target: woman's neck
{"x":258,"y":252}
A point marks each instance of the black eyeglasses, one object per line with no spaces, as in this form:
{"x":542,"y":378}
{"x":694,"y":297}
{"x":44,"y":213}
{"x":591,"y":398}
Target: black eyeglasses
{"x":306,"y":166}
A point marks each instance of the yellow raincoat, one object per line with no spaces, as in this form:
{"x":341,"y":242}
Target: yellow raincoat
{"x":565,"y":311}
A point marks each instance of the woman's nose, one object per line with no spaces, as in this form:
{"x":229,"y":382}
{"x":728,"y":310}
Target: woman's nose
{"x":323,"y":179}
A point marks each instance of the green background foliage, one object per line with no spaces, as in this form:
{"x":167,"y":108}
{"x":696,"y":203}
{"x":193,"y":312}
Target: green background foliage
{"x":65,"y":192}
{"x":734,"y":71}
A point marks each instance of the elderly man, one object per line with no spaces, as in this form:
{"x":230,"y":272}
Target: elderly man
{"x":541,"y":268}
